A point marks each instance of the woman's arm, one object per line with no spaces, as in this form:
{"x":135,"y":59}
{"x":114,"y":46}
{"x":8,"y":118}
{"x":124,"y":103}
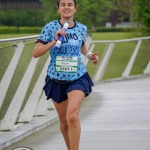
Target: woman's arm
{"x":84,"y":49}
{"x":89,"y":55}
{"x":40,"y":48}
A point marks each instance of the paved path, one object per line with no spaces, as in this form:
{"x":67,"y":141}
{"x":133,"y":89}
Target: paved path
{"x":116,"y":116}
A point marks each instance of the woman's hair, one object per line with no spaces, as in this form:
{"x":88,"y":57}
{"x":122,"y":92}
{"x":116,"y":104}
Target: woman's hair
{"x":58,"y":1}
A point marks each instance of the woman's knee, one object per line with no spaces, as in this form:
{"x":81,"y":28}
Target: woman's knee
{"x":72,"y":117}
{"x":63,"y":124}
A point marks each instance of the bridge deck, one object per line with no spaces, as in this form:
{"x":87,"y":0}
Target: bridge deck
{"x":116,"y":116}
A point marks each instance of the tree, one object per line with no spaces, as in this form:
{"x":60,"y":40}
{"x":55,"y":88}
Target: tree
{"x":125,"y":9}
{"x":89,"y":12}
{"x":134,"y":10}
{"x":93,"y":13}
{"x":49,"y":10}
{"x":143,"y":13}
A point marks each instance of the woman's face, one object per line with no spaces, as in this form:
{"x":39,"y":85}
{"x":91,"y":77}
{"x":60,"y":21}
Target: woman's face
{"x":67,"y":9}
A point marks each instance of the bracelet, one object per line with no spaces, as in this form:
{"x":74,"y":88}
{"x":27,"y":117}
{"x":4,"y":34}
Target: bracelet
{"x":88,"y":54}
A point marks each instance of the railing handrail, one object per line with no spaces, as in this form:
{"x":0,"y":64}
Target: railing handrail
{"x":93,"y":41}
{"x":123,"y":40}
{"x":18,"y":39}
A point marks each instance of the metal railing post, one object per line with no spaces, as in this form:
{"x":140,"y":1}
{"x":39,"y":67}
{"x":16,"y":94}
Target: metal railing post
{"x":127,"y":71}
{"x":12,"y":113}
{"x":147,"y":70}
{"x":101,"y":70}
{"x":5,"y":82}
{"x":30,"y":107}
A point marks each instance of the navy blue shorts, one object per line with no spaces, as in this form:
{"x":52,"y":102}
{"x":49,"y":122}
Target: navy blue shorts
{"x":58,"y":91}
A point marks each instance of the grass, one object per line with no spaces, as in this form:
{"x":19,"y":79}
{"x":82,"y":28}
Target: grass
{"x":114,"y":35}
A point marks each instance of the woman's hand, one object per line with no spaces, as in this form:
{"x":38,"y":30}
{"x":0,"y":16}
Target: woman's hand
{"x":60,"y":32}
{"x":94,"y":58}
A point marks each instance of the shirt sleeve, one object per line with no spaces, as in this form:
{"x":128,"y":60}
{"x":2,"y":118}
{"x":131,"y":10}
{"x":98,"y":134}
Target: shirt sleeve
{"x":84,"y":34}
{"x":45,"y":35}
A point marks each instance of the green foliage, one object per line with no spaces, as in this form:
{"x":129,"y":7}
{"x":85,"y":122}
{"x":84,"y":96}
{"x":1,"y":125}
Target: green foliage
{"x":93,"y":13}
{"x":13,"y":30}
{"x":7,"y":17}
{"x":125,"y":9}
{"x":88,"y":12}
{"x":112,"y":29}
{"x":21,"y":17}
{"x":143,"y":10}
{"x":134,"y":11}
{"x":37,"y":30}
{"x":143,"y":13}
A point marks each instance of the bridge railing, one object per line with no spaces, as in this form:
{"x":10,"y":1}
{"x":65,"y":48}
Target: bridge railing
{"x":20,"y":100}
{"x":22,"y":76}
{"x":134,"y":46}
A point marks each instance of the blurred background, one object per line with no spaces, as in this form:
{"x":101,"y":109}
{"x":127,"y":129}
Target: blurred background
{"x":28,"y":16}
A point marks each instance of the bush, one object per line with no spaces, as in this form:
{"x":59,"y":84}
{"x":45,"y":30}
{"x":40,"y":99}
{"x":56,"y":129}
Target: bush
{"x":14,"y":30}
{"x":7,"y":30}
{"x":112,"y":29}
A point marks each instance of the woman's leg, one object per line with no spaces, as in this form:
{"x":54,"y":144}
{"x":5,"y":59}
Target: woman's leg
{"x":75,"y":99}
{"x":62,"y":111}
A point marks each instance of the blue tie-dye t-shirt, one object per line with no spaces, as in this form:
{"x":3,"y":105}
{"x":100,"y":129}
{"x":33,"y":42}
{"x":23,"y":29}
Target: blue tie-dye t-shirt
{"x":66,"y":62}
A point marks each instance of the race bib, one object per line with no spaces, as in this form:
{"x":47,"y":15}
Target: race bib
{"x":66,"y":64}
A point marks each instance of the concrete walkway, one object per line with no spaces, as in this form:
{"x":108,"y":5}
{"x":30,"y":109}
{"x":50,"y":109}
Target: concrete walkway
{"x":116,"y":116}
